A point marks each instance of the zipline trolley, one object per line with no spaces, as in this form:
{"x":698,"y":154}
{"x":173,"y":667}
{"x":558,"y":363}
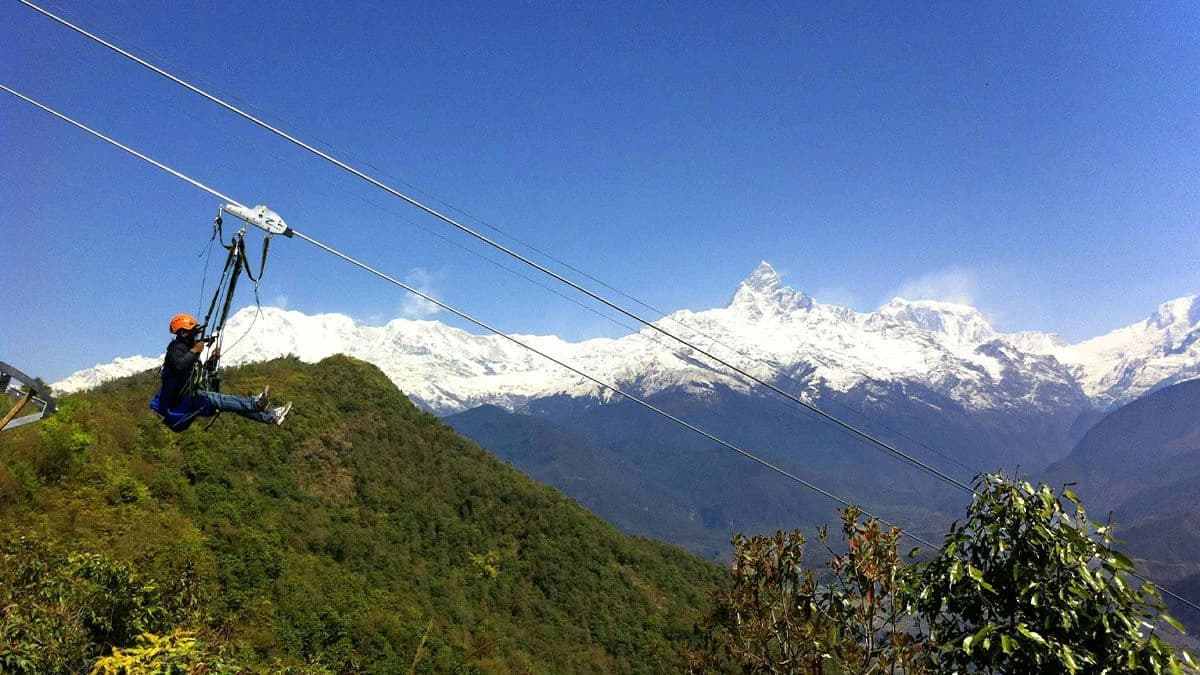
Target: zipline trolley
{"x":236,"y":263}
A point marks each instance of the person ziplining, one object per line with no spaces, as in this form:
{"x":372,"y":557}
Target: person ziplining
{"x":191,"y":386}
{"x":180,"y":399}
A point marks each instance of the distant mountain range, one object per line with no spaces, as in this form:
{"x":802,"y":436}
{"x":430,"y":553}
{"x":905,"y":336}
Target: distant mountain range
{"x":934,"y":377}
{"x":776,"y":332}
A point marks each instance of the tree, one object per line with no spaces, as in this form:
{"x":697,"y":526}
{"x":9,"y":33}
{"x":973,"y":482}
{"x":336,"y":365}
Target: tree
{"x":1027,"y":584}
{"x":776,"y":618}
{"x":179,"y":653}
{"x":57,"y":611}
{"x":868,"y":599}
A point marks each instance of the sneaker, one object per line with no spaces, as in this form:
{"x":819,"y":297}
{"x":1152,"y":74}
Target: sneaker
{"x":263,"y":400}
{"x":281,"y":413}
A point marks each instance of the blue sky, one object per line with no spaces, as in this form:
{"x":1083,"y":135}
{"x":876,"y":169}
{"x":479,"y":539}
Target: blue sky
{"x":1041,"y":162}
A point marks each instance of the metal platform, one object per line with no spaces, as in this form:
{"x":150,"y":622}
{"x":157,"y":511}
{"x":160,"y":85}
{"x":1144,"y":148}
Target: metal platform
{"x":26,"y":391}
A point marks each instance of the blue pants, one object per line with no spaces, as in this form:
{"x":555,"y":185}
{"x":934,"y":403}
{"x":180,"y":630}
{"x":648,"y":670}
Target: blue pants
{"x":246,"y":406}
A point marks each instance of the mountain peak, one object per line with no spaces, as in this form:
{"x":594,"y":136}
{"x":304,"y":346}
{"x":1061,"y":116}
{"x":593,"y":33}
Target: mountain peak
{"x":961,"y":323}
{"x":1184,"y":311}
{"x":763,"y":276}
{"x":763,"y":293}
{"x":935,"y":305}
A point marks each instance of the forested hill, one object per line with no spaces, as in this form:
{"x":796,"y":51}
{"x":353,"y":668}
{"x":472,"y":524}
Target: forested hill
{"x":362,"y":536}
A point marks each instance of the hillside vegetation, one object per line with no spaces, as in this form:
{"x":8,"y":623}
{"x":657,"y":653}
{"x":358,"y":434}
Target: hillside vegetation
{"x":363,"y":536}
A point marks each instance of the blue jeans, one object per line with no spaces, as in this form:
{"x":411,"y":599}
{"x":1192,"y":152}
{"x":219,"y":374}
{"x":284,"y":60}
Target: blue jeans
{"x":246,"y":406}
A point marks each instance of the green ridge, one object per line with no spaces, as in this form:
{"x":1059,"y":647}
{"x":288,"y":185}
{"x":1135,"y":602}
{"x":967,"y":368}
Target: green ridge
{"x":328,"y":545}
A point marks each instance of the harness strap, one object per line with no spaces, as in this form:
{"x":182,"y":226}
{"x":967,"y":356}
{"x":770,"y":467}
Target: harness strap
{"x":231,"y":263}
{"x":238,"y":255}
{"x":213,"y":420}
{"x":198,"y":379}
{"x":262,"y":265}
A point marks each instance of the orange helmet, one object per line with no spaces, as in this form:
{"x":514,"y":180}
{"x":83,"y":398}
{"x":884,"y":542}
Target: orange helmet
{"x":182,"y":322}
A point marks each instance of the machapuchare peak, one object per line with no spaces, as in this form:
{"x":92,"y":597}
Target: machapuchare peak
{"x":764,"y":294}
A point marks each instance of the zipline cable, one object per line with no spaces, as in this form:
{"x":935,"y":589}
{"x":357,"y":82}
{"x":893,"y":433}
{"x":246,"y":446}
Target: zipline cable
{"x":871,"y":439}
{"x":498,"y":332}
{"x":437,"y":214}
{"x":527,"y":278}
{"x":479,"y":322}
{"x":782,"y":406}
{"x":126,"y":148}
{"x":776,"y":370}
{"x":611,"y":387}
{"x":779,"y":405}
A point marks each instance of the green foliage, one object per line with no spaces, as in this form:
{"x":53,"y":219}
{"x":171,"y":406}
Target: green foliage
{"x":769,"y":622}
{"x":488,"y":564}
{"x":362,"y":531}
{"x":1026,"y":584}
{"x":58,"y":610}
{"x":777,"y":618}
{"x":180,"y":653}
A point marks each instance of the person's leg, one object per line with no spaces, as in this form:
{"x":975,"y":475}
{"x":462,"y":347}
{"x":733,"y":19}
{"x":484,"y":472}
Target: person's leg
{"x":246,"y":406}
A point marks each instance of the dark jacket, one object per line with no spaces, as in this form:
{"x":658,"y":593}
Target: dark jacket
{"x":178,"y":410}
{"x":177,"y":368}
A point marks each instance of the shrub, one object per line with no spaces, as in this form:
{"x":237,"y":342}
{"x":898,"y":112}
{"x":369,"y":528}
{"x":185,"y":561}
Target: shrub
{"x":1026,"y":584}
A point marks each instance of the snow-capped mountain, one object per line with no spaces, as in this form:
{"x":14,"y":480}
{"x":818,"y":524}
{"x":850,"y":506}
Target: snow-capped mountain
{"x":1161,"y":350}
{"x":99,"y":374}
{"x":768,"y":328}
{"x":948,"y":348}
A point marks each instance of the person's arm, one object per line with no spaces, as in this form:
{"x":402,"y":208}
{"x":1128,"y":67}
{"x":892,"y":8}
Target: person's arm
{"x":180,"y":358}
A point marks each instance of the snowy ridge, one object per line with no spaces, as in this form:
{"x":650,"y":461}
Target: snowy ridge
{"x":948,"y":348}
{"x":1129,"y":362}
{"x":101,"y":373}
